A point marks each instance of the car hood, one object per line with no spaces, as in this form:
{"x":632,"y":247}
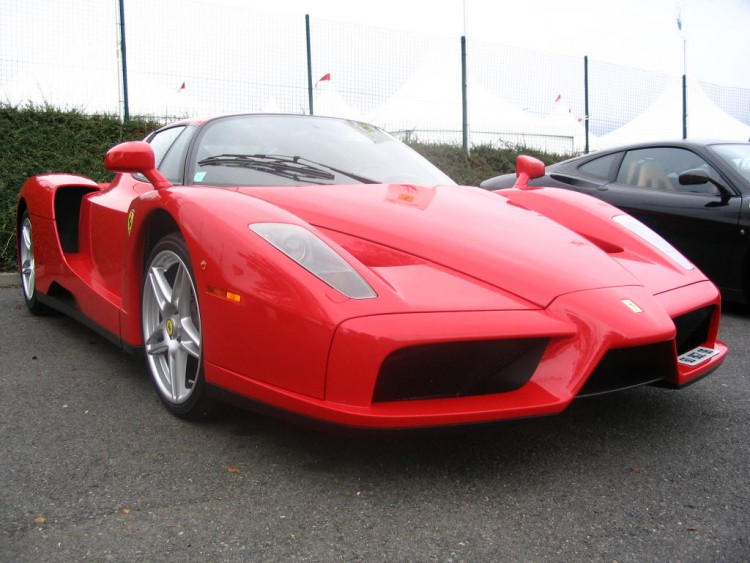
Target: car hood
{"x":463,"y":228}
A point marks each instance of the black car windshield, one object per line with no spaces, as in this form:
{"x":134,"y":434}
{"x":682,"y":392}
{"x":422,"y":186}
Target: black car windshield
{"x":737,"y":156}
{"x":284,"y":150}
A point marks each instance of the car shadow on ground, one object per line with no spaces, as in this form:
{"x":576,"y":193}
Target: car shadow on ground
{"x":740,"y":310}
{"x":623,"y":428}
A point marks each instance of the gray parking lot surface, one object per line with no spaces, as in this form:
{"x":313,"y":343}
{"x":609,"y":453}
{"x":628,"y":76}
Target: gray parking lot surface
{"x":93,"y":468}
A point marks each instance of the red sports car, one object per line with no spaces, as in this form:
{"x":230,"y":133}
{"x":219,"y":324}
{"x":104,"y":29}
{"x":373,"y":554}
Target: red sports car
{"x":320,"y":267}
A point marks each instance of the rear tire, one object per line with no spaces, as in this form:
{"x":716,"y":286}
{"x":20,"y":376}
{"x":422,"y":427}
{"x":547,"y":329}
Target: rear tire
{"x":27,"y":266}
{"x":172,"y":329}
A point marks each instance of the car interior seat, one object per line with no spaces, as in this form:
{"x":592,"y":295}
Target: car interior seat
{"x":651,"y":174}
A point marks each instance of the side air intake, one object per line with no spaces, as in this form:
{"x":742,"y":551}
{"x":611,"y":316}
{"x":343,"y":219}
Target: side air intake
{"x":458,"y":369}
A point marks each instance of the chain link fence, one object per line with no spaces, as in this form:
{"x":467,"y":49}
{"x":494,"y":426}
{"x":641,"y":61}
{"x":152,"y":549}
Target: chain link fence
{"x":198,"y":57}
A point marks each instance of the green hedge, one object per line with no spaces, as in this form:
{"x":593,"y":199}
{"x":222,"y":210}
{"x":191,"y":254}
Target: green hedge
{"x":483,"y":162}
{"x":38,"y":140}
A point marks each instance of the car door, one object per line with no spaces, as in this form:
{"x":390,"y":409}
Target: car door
{"x":700,"y":221}
{"x":107,"y":211}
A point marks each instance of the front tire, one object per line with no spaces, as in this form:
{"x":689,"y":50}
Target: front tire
{"x":171,"y":324}
{"x":27,"y":266}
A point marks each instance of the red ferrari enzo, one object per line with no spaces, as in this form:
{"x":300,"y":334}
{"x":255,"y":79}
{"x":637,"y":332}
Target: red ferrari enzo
{"x":320,"y":267}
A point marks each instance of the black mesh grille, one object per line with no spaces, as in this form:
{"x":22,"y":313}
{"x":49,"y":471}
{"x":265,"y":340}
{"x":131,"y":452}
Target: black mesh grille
{"x":692,"y":328}
{"x":458,"y":369}
{"x":622,"y":368}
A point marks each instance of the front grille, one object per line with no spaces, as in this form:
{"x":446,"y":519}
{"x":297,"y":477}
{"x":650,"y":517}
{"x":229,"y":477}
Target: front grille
{"x":458,"y":369}
{"x":629,"y":367}
{"x":622,"y":368}
{"x":693,"y":328}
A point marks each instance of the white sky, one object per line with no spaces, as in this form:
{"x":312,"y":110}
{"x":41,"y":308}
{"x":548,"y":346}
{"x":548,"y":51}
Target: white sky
{"x":637,"y":33}
{"x":49,"y":51}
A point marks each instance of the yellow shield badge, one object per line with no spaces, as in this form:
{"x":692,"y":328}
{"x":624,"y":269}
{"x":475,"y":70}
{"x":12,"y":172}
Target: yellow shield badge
{"x":131,"y":217}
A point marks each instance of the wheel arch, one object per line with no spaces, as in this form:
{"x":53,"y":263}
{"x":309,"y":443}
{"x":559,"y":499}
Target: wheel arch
{"x":745,"y":278}
{"x":213,"y":224}
{"x":58,"y":198}
{"x":146,"y":231}
{"x":20,"y":209}
{"x":157,"y":225}
{"x":592,"y":219}
{"x":40,"y":192}
{"x":586,"y":215}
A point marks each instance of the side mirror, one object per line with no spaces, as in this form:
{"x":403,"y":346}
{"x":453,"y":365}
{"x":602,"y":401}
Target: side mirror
{"x":699,"y":177}
{"x":527,"y":168}
{"x":694,"y":177}
{"x":135,"y":157}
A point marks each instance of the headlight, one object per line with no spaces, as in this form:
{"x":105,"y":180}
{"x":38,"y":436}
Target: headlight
{"x":636,"y":227}
{"x":316,"y":257}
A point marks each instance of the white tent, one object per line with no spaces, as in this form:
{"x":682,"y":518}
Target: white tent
{"x":270,"y":106}
{"x":428,"y":109}
{"x":562,"y":122}
{"x":328,"y":101}
{"x":663,"y":119}
{"x":149,"y":98}
{"x":54,"y":86}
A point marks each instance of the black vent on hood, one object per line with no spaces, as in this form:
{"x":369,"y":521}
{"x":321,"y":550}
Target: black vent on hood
{"x":458,"y":369}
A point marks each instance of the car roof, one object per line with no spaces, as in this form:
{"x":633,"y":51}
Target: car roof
{"x":672,"y":142}
{"x":200,"y":120}
{"x":691,"y":143}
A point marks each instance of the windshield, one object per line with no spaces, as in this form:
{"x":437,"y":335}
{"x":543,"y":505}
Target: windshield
{"x":283,"y":150}
{"x":737,"y":156}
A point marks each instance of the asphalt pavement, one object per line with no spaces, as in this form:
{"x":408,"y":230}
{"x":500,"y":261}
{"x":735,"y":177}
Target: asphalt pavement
{"x":93,"y":468}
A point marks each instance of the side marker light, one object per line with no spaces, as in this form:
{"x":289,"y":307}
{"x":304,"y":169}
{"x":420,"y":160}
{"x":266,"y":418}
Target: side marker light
{"x":225,"y":294}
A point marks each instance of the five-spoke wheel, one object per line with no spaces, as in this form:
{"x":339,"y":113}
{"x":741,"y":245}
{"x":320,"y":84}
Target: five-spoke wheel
{"x":27,"y":266}
{"x":172,"y":328}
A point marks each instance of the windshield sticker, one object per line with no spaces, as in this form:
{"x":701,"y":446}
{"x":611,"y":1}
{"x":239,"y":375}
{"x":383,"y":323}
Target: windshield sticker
{"x":372,"y":133}
{"x":199,"y":176}
{"x":413,"y":196}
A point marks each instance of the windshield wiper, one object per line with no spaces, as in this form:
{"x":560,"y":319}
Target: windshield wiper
{"x":292,"y":167}
{"x":286,"y":168}
{"x":351,"y":175}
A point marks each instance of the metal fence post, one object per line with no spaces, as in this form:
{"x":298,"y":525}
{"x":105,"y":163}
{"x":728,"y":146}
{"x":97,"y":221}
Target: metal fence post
{"x":464,"y":98}
{"x":126,"y":104}
{"x":684,"y":106}
{"x":309,"y":64}
{"x":586,"y":102}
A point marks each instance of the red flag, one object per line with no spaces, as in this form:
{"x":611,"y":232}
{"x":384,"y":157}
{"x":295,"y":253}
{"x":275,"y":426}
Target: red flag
{"x":559,"y":97}
{"x":326,"y":76}
{"x":181,"y":88}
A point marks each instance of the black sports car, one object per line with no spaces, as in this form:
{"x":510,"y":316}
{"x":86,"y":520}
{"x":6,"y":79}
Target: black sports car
{"x":696,"y":194}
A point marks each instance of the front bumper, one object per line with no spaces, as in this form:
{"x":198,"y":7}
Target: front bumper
{"x":581,"y":333}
